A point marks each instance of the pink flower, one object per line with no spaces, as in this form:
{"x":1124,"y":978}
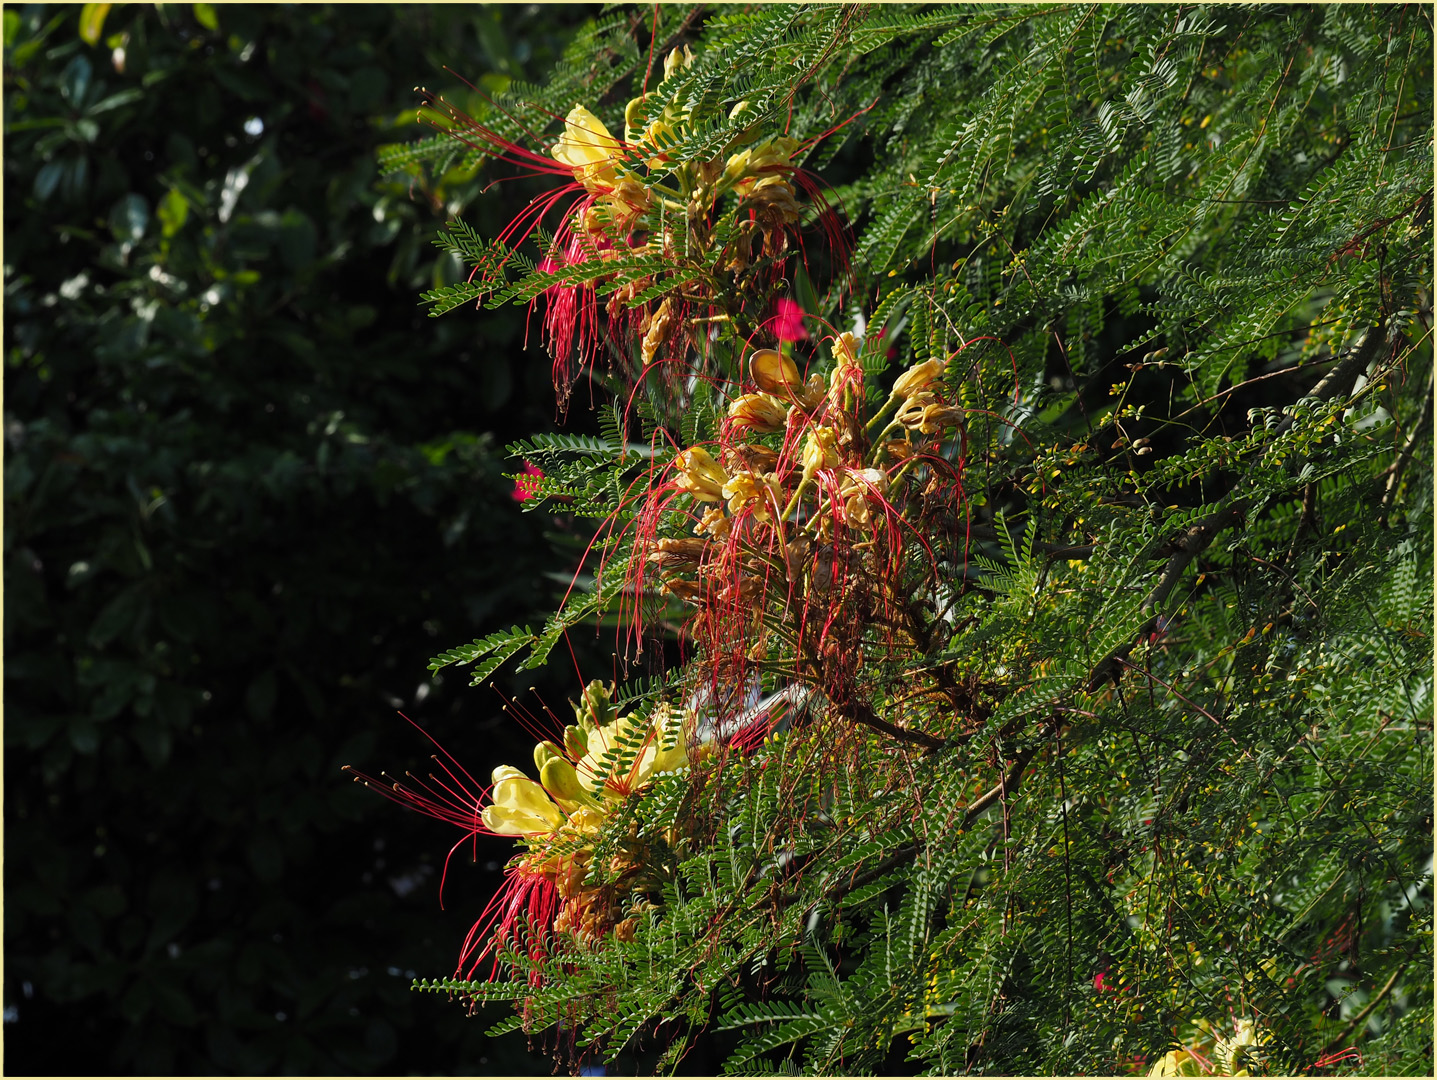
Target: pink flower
{"x":525,"y":488}
{"x":788,"y":321}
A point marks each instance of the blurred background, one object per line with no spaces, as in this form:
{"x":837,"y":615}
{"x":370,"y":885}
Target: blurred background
{"x":250,"y":488}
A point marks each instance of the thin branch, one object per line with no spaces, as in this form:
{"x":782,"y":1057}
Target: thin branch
{"x":1197,"y":538}
{"x":1389,"y":497}
{"x":1361,"y":1017}
{"x":861,"y":713}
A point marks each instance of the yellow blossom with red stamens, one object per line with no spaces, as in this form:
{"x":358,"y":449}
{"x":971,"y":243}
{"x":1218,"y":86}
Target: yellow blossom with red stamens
{"x":586,"y":146}
{"x":519,"y":806}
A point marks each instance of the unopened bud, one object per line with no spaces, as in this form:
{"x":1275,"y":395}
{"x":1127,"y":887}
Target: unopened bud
{"x":774,"y":373}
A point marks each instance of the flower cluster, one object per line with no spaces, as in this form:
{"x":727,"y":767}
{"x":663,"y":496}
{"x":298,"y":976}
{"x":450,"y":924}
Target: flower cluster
{"x":644,"y":197}
{"x":720,"y":224}
{"x":605,"y":759}
{"x":802,"y":513}
{"x":1235,"y":1053}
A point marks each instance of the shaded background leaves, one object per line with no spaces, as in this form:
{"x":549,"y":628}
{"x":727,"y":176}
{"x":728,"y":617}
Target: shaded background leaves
{"x":248,"y":487}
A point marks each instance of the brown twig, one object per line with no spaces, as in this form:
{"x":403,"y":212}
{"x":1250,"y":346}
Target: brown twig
{"x":862,"y":713}
{"x":1361,"y":1017}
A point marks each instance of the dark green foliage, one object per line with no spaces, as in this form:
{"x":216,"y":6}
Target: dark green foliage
{"x":246,"y":491}
{"x":1178,"y":262}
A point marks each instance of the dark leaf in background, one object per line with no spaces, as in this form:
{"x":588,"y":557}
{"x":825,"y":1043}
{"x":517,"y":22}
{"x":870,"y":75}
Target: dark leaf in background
{"x":230,"y":541}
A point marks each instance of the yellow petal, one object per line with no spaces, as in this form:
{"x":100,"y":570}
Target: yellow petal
{"x":508,"y":821}
{"x":507,"y":772}
{"x":524,"y":797}
{"x":586,"y":146}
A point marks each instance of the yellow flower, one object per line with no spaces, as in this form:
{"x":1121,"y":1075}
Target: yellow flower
{"x":927,"y":415}
{"x":1176,"y":1063}
{"x":858,"y":489}
{"x":762,"y":412}
{"x":625,"y":755}
{"x":917,"y":378}
{"x":747,"y":489}
{"x":701,"y":475}
{"x":746,"y":170}
{"x":820,"y":451}
{"x":713,"y":522}
{"x":847,"y":372}
{"x":519,"y":806}
{"x":586,"y":146}
{"x":1236,"y":1056}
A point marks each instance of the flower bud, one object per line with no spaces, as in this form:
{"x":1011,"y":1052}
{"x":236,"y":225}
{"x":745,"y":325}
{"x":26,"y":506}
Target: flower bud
{"x":690,"y":592}
{"x":937,"y":416}
{"x":820,"y":451}
{"x":678,"y":555}
{"x":595,"y":708}
{"x":562,"y":783}
{"x":847,"y":372}
{"x":813,"y":391}
{"x":678,"y":60}
{"x":544,"y":751}
{"x":774,"y":373}
{"x":917,"y":378}
{"x":658,"y":331}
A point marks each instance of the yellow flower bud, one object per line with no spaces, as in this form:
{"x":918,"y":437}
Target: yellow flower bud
{"x":678,"y":60}
{"x":917,"y":378}
{"x":543,"y":752}
{"x":562,"y":783}
{"x":820,"y":451}
{"x":774,"y":373}
{"x":847,"y":371}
